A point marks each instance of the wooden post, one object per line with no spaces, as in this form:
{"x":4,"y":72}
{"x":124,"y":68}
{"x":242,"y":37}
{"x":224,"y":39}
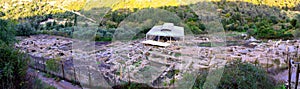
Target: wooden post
{"x":74,"y":71}
{"x":90,"y":78}
{"x":170,"y":39}
{"x":290,"y":70}
{"x":289,"y":77}
{"x":297,"y":57}
{"x":45,"y":64}
{"x":297,"y":76}
{"x":121,"y":72}
{"x":62,"y":68}
{"x":158,"y":38}
{"x":267,"y":63}
{"x":74,"y":74}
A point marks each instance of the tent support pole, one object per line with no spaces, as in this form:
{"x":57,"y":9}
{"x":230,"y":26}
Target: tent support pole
{"x":146,"y":36}
{"x":158,"y":38}
{"x":170,"y":40}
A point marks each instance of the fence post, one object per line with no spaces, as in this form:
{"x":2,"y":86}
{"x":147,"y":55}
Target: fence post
{"x":289,"y":78}
{"x":62,"y":68}
{"x":297,"y":76}
{"x":267,"y":63}
{"x":289,"y":67}
{"x":45,"y":65}
{"x":297,"y":52}
{"x":74,"y":73}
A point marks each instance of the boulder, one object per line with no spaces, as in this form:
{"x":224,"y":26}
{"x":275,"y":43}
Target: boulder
{"x":244,"y":51}
{"x":282,"y":47}
{"x":252,"y":39}
{"x":292,"y":49}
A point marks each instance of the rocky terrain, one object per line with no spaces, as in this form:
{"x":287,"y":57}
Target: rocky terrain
{"x":98,"y":64}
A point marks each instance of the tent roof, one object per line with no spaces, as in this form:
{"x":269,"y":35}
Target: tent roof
{"x":168,"y":29}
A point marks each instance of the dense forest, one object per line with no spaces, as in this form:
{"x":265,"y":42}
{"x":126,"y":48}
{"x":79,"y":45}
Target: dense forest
{"x":264,"y":19}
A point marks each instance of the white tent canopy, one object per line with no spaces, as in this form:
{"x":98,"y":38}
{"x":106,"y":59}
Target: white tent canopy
{"x":168,"y":29}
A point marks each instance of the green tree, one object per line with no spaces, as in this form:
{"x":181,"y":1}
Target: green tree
{"x":13,"y":64}
{"x":25,"y":29}
{"x":7,"y":32}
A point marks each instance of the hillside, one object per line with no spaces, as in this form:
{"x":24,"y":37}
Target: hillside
{"x":15,"y":9}
{"x":258,"y":18}
{"x":159,"y":3}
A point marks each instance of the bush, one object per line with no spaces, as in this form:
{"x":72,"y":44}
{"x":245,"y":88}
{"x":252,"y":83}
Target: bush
{"x":13,"y":68}
{"x":25,"y":29}
{"x":53,"y":65}
{"x":84,"y":33}
{"x":297,"y":33}
{"x":99,"y":38}
{"x":7,"y":32}
{"x":274,"y":19}
{"x":294,"y":22}
{"x":239,"y":75}
{"x":264,"y":29}
{"x":13,"y":64}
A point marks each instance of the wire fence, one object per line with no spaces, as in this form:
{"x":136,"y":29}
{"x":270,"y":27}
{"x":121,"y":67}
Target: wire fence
{"x":57,"y":68}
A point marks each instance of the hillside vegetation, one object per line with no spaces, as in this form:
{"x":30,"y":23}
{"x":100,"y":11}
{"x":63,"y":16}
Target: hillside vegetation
{"x":14,"y":9}
{"x":131,"y":4}
{"x":259,"y":18}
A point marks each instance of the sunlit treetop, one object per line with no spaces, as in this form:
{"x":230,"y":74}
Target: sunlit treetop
{"x":159,"y":3}
{"x":16,"y":9}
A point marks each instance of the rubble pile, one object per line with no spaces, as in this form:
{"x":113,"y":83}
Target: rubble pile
{"x":46,"y":46}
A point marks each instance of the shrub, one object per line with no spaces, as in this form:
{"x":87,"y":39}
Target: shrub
{"x":239,"y":75}
{"x":264,"y":29}
{"x":7,"y":32}
{"x":297,"y":33}
{"x":195,"y":27}
{"x":25,"y":29}
{"x":294,"y":22}
{"x":274,"y":19}
{"x":53,"y":65}
{"x":132,"y":86}
{"x":39,"y":84}
{"x":13,"y":64}
{"x":84,"y":33}
{"x":111,"y":24}
{"x":13,"y":68}
{"x":99,"y":38}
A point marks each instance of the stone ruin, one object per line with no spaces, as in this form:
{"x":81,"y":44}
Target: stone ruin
{"x":109,"y":64}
